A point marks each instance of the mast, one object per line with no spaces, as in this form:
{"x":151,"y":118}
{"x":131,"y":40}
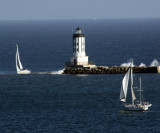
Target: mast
{"x":140,"y":91}
{"x":132,"y":84}
{"x":132,"y":92}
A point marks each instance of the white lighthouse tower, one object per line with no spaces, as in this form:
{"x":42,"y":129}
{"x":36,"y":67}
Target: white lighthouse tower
{"x":79,"y":54}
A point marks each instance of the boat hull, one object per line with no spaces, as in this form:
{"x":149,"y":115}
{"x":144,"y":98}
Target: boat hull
{"x":24,"y":72}
{"x":137,"y":107}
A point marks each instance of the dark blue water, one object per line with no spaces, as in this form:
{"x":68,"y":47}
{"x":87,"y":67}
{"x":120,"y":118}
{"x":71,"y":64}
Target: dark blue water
{"x":74,"y":103}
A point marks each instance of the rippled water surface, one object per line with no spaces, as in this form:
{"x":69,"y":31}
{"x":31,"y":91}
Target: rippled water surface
{"x":53,"y":102}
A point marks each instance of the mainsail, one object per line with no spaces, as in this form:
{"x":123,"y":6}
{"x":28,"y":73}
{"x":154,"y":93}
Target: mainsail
{"x":19,"y":62}
{"x":16,"y":63}
{"x":132,"y":91}
{"x":124,"y":88}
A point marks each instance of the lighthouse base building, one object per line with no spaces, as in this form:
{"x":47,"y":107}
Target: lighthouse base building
{"x":79,"y":58}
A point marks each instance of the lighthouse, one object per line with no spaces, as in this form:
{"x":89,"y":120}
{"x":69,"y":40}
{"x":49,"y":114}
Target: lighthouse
{"x":79,"y":55}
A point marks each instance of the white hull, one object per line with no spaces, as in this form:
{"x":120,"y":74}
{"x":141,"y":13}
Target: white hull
{"x":137,"y":107}
{"x":24,"y":72}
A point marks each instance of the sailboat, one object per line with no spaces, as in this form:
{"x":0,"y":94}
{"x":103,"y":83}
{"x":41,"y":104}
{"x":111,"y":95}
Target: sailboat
{"x":137,"y":105}
{"x":19,"y":66}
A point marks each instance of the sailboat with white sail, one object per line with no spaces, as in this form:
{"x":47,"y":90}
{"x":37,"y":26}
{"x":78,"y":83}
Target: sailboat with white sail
{"x":19,"y":66}
{"x":137,"y":105}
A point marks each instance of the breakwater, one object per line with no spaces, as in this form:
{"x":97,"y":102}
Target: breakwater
{"x":108,"y":70}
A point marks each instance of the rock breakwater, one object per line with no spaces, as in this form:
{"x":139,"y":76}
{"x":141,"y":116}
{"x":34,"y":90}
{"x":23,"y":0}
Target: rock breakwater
{"x":108,"y":70}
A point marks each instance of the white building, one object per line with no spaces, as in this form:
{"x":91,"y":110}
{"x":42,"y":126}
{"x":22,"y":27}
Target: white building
{"x":79,"y":54}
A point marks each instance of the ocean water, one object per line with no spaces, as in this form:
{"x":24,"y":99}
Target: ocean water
{"x":42,"y":102}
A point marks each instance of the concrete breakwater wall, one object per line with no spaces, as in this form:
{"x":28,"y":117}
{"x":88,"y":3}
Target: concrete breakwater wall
{"x":108,"y":70}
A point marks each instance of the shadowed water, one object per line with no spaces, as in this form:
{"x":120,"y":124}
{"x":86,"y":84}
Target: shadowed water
{"x":65,"y":103}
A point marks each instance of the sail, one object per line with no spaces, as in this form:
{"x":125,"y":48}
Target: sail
{"x":124,"y":88}
{"x":133,"y":95}
{"x":17,"y":64}
{"x":20,"y":65}
{"x":132,"y":91}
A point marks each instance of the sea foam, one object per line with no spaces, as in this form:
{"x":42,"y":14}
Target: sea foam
{"x":126,"y":64}
{"x":57,"y":72}
{"x":155,"y":63}
{"x":52,"y":72}
{"x":142,"y":65}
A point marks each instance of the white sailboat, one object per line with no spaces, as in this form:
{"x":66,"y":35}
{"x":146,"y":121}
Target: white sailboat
{"x":136,"y":105}
{"x":19,"y":66}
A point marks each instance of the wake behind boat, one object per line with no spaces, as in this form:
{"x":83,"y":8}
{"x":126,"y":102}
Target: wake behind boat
{"x":19,"y":66}
{"x":137,"y":105}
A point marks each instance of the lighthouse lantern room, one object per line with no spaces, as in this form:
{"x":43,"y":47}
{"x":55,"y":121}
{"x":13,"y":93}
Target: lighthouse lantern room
{"x":79,"y":54}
